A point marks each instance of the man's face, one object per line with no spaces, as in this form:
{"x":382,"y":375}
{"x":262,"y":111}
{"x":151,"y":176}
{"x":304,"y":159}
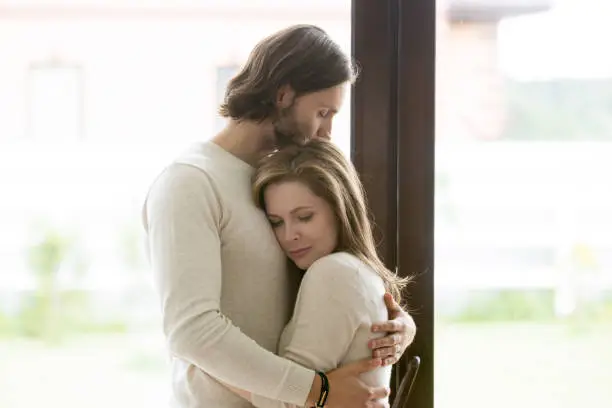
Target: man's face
{"x":309,"y":115}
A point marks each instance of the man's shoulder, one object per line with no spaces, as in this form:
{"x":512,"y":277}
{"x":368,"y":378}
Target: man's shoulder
{"x":196,"y":166}
{"x":180,"y":176}
{"x":189,"y":176}
{"x":199,"y":156}
{"x":200,"y":175}
{"x":179,"y":191}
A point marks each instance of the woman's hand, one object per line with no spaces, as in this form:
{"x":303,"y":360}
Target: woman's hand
{"x":400,"y":329}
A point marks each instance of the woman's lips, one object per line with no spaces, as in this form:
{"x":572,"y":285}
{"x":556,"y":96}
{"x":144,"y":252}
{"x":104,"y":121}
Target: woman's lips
{"x":298,"y":253}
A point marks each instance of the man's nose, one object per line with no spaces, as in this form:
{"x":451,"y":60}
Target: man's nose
{"x":324,"y":134}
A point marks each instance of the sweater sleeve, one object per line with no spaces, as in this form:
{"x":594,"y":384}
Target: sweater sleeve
{"x":328,"y":312}
{"x":182,"y":216}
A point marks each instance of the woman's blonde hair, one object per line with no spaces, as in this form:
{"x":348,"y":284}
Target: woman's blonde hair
{"x":322,"y":167}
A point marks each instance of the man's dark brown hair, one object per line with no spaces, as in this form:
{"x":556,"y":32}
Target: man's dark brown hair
{"x":301,"y":56}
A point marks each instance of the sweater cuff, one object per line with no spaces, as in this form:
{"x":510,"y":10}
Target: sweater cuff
{"x":297,"y":385}
{"x":294,"y":390}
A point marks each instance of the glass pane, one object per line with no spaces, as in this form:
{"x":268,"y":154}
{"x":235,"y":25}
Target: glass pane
{"x":523,"y":198}
{"x":54,"y":102}
{"x":94,"y":100}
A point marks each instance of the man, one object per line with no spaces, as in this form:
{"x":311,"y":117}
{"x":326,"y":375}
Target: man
{"x":223,"y":282}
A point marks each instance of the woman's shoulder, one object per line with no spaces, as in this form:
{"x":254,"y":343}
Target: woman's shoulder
{"x":345,"y":270}
{"x":342,"y":263}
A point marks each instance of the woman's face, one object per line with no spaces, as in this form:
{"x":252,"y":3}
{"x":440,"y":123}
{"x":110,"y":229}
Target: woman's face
{"x":304,"y":223}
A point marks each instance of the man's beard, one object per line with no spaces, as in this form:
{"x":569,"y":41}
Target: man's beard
{"x":287,"y":130}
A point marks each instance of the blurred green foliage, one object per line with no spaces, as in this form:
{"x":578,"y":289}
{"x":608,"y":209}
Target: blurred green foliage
{"x":527,"y":306}
{"x":50,"y":312}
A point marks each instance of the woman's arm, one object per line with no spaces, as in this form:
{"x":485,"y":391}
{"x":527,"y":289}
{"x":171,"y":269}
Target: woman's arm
{"x":329,"y":309}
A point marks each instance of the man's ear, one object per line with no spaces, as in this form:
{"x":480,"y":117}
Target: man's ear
{"x":285,"y":97}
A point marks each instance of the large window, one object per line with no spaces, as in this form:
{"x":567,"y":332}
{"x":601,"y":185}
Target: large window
{"x":509,"y":206}
{"x":522,"y":212}
{"x":522,"y":222}
{"x":78,"y":315}
{"x":55,"y":102}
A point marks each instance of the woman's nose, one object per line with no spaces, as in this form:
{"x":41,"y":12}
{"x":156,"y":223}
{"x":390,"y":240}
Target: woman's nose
{"x":291,"y":234}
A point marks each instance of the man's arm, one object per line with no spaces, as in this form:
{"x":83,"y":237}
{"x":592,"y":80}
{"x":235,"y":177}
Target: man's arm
{"x":182,"y":217}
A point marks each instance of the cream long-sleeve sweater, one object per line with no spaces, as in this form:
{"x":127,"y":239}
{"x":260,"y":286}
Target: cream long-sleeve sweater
{"x":222,"y":280}
{"x":339,"y":299}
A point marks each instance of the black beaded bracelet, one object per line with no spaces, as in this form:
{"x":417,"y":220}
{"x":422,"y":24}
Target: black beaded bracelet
{"x":324,"y":390}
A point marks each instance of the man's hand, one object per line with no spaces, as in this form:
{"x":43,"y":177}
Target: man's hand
{"x":400,"y":329}
{"x":346,"y":390}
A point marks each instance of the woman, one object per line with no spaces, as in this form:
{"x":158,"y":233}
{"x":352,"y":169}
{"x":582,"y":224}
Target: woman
{"x":315,"y":203}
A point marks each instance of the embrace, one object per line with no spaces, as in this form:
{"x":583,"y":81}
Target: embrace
{"x":264,"y":260}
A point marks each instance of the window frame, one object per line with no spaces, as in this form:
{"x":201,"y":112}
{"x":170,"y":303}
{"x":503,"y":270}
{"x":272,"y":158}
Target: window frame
{"x":393,"y":148}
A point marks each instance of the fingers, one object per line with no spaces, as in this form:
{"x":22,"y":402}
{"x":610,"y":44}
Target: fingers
{"x":379,"y":404}
{"x":389,"y":326}
{"x":411,"y":330}
{"x":379,"y":393}
{"x":392,"y":305}
{"x":386,"y":352}
{"x":387,"y":341}
{"x":389,"y":355}
{"x":391,"y":360}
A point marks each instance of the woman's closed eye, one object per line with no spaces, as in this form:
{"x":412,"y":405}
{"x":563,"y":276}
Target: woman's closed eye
{"x":275,"y":223}
{"x":305,"y":218}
